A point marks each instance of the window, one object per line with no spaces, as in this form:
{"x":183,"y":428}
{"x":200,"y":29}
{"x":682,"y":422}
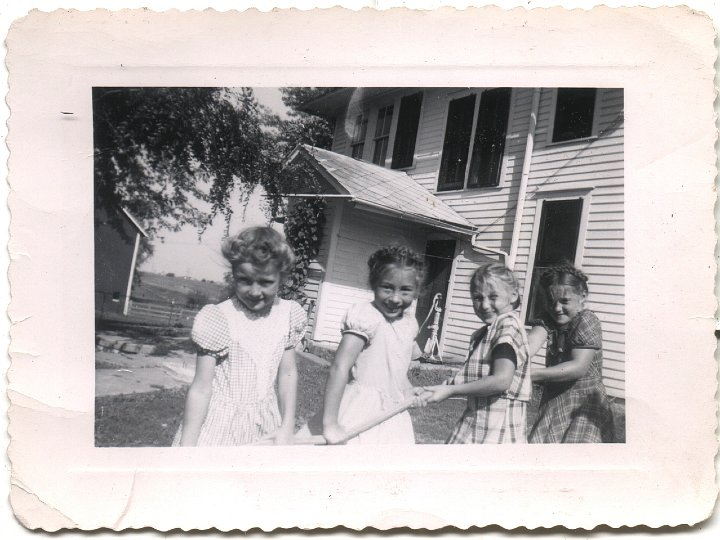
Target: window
{"x":382,"y":134}
{"x":574,"y":114}
{"x":489,"y":143}
{"x":357,"y":143}
{"x":406,"y":132}
{"x":557,"y":240}
{"x":484,"y":150}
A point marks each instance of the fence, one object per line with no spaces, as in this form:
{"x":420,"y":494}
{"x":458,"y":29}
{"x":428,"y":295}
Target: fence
{"x":143,"y":312}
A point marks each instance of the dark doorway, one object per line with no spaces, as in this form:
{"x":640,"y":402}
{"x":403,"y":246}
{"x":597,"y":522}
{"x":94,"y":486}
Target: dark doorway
{"x":557,"y":241}
{"x":439,"y":255}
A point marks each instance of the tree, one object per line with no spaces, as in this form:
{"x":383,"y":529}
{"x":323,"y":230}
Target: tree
{"x":165,"y":153}
{"x":303,"y":127}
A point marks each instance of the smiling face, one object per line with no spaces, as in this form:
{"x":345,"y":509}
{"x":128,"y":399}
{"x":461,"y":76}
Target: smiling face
{"x":395,"y":291}
{"x":492,"y":298}
{"x":256,"y":287}
{"x":564,"y":303}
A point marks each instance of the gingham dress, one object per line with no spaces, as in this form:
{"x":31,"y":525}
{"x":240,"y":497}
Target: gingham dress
{"x":574,"y":411}
{"x":379,"y":375}
{"x":248,"y":348}
{"x":500,"y":418}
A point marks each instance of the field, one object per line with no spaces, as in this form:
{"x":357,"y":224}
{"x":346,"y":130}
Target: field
{"x":177,"y":290}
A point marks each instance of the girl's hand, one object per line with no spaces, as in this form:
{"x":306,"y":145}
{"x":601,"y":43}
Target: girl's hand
{"x":334,"y":434}
{"x":438,"y":393}
{"x":419,"y":393}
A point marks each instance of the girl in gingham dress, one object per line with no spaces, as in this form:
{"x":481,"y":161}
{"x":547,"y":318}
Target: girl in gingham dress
{"x":244,"y":345}
{"x":574,"y":407}
{"x":495,"y":377}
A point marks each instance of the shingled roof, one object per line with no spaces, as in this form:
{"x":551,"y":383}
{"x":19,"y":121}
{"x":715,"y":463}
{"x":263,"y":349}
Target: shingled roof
{"x":381,"y":189}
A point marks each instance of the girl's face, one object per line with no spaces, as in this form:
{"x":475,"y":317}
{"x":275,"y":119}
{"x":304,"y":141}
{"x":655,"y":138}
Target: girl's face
{"x":256,"y":287}
{"x":493,"y":298}
{"x":563,"y":303}
{"x":395,"y":291}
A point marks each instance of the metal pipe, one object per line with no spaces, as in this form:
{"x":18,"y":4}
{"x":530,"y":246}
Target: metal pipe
{"x":520,"y":206}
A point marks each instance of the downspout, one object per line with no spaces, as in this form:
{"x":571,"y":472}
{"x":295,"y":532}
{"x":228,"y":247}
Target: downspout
{"x":520,"y":207}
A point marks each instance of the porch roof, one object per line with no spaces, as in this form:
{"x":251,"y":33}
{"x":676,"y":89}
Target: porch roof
{"x":383,"y":190}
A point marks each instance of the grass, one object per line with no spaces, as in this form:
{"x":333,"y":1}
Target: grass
{"x":152,"y":418}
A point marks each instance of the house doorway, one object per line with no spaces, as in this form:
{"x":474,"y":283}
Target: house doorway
{"x":439,"y":256}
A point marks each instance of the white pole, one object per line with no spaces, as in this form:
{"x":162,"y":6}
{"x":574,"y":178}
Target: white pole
{"x":520,"y":207}
{"x":132,"y":273}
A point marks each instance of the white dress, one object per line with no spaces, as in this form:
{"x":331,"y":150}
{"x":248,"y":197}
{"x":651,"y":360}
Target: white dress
{"x":248,"y":349}
{"x":379,"y":375}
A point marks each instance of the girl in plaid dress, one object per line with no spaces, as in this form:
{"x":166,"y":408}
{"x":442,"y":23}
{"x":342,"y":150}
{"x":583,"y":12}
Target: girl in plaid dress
{"x":369,"y":373}
{"x":246,"y":344}
{"x":574,"y":407}
{"x":495,"y":377}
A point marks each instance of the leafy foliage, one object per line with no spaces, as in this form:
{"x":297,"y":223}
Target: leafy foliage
{"x":162,"y":152}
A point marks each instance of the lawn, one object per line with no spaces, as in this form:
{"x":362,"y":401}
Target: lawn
{"x":152,"y":418}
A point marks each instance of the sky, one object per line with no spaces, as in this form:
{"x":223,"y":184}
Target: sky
{"x":185,"y":254}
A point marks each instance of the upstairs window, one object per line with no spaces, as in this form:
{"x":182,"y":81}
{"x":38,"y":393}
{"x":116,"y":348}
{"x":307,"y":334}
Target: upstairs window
{"x":357,"y":143}
{"x":382,"y":134}
{"x":574,"y":114}
{"x":482,"y":146}
{"x":406,"y":132}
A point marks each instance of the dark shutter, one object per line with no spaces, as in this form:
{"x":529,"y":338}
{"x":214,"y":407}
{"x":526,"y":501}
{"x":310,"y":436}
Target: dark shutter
{"x":490,"y":133}
{"x":457,"y":143}
{"x":406,"y":133}
{"x":574,"y":112}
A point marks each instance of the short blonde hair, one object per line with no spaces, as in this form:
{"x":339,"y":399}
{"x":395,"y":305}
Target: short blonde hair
{"x":497,"y":271}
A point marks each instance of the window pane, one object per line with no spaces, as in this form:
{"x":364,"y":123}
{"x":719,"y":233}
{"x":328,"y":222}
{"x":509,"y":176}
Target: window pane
{"x":489,"y":144}
{"x":574,"y":113}
{"x":406,"y":133}
{"x":557,"y":240}
{"x":457,"y":143}
{"x":380,"y":151}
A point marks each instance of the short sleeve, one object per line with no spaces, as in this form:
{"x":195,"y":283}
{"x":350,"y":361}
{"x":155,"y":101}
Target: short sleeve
{"x":298,"y":324}
{"x":361,"y":320}
{"x":587,"y":334}
{"x":210,"y":332}
{"x":510,"y":333}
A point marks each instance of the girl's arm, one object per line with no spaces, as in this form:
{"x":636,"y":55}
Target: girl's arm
{"x":536,"y":339}
{"x":287,"y":396}
{"x":573,"y":369}
{"x":198,"y":399}
{"x":350,"y":347}
{"x":499,"y":380}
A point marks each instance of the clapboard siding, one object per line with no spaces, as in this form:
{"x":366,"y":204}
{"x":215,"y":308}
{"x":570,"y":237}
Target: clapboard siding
{"x":360,"y":233}
{"x":592,"y":168}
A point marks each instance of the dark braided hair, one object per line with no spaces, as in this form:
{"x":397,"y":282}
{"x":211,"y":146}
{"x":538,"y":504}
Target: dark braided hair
{"x":399,"y":256}
{"x":564,"y":274}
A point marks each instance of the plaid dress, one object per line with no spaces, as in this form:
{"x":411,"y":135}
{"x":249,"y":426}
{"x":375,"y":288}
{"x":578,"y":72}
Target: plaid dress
{"x":500,"y":418}
{"x":243,"y":406}
{"x":574,"y":411}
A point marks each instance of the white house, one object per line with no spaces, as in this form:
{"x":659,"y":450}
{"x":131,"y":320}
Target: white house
{"x":525,"y":175}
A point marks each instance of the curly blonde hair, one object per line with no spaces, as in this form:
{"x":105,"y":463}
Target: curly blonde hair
{"x":260,"y":246}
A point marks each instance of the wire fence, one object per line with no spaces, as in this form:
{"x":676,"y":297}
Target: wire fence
{"x":112,"y":308}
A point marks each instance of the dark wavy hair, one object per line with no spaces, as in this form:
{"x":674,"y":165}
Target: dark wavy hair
{"x":400,"y":256}
{"x":260,"y":246}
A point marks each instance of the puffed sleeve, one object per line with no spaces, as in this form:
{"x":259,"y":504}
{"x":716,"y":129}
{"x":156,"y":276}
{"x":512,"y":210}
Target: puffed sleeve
{"x":210,"y":332}
{"x":298,"y":324}
{"x":587,"y":334}
{"x":509,"y":332}
{"x":361,"y":320}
